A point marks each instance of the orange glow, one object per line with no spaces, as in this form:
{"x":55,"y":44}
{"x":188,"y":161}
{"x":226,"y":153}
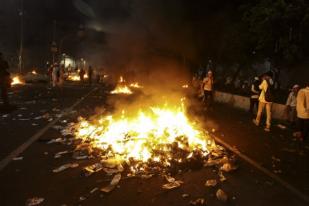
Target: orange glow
{"x":16,"y":80}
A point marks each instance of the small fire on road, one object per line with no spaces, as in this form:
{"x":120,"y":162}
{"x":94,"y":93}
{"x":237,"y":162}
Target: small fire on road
{"x":16,"y":80}
{"x":121,"y":87}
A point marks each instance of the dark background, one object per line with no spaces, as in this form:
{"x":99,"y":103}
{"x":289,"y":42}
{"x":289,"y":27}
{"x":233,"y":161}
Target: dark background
{"x":109,"y":32}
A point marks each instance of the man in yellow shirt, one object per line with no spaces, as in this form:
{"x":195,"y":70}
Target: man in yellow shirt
{"x":265,"y":101}
{"x":302,"y":108}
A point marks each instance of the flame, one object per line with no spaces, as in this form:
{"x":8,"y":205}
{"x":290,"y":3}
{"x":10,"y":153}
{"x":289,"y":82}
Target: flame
{"x":121,"y":87}
{"x":16,"y":80}
{"x":146,"y":136}
{"x":185,"y":86}
{"x":75,"y":77}
{"x":136,"y":85}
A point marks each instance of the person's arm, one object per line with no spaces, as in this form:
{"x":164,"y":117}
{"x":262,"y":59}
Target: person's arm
{"x":289,"y":100}
{"x":253,"y":89}
{"x":263,"y":85}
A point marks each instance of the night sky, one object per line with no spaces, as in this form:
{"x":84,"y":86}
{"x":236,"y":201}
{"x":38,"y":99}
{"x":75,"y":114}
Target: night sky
{"x":123,"y":28}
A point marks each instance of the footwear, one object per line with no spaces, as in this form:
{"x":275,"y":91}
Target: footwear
{"x":267,"y":129}
{"x":255,"y":122}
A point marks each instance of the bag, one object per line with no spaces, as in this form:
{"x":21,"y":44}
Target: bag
{"x":269,"y":93}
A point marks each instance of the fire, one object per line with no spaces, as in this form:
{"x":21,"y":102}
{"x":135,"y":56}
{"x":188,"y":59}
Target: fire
{"x":121,"y":87}
{"x":75,"y":77}
{"x":17,"y":81}
{"x":122,"y":90}
{"x":157,"y":135}
{"x":185,"y":86}
{"x":136,"y":85}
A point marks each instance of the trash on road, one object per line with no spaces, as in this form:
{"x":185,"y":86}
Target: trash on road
{"x":228,"y":167}
{"x":221,"y":195}
{"x":185,"y":195}
{"x":281,"y":126}
{"x":65,"y":166}
{"x":58,"y":140}
{"x":34,"y":201}
{"x":172,"y":183}
{"x":211,"y":183}
{"x":18,"y":158}
{"x":93,"y":169}
{"x":112,"y":184}
{"x":59,"y":154}
{"x":198,"y":201}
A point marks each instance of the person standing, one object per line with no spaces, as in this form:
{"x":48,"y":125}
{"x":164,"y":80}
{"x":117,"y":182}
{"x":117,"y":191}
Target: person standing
{"x":207,"y":87}
{"x":5,"y":80}
{"x":302,"y":108}
{"x":56,"y":74}
{"x":291,"y":105}
{"x":81,"y":74}
{"x":265,"y":101}
{"x":255,"y":93}
{"x":90,"y":73}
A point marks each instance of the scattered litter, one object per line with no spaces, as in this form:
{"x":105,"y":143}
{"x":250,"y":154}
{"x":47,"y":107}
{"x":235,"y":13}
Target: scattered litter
{"x":59,"y":154}
{"x":5,"y":115}
{"x":58,"y":140}
{"x":65,"y":166}
{"x":57,"y":127}
{"x":35,"y":124}
{"x":221,"y":195}
{"x":34,"y":201}
{"x":281,"y":126}
{"x":112,"y":184}
{"x":211,"y":183}
{"x":185,"y":195}
{"x":275,"y":159}
{"x":228,"y":167}
{"x":18,"y":158}
{"x":94,"y":190}
{"x":172,"y":183}
{"x":37,"y":118}
{"x":110,"y":171}
{"x":93,"y":169}
{"x":198,"y":201}
{"x":82,"y":198}
{"x":222,"y":177}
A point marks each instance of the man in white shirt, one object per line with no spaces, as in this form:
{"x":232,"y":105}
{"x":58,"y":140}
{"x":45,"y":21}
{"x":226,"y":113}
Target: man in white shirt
{"x":291,"y":104}
{"x":302,"y":108}
{"x":207,"y":87}
{"x":265,"y":101}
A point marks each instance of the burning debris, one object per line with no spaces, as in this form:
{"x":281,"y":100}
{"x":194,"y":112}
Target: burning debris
{"x":123,"y":88}
{"x":17,"y":80}
{"x":147,"y":141}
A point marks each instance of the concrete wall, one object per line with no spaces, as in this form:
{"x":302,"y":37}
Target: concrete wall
{"x":241,"y":102}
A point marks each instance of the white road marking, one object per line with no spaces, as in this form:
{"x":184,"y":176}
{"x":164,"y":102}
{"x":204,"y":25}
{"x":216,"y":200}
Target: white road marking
{"x":36,"y":136}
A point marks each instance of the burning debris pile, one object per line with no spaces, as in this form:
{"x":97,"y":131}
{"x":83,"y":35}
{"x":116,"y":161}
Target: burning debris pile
{"x":146,"y":142}
{"x":122,"y":87}
{"x":17,"y":80}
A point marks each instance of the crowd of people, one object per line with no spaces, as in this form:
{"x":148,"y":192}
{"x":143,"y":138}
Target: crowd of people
{"x":262,"y":98}
{"x":58,"y":73}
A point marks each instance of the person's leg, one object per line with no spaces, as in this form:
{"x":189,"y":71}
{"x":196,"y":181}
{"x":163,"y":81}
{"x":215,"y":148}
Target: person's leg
{"x":251,"y":105}
{"x":268,"y":115}
{"x":306,"y":129}
{"x":259,"y":113}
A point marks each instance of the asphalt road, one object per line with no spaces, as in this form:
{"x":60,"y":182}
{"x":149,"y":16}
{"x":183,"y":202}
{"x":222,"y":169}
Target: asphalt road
{"x":33,"y":177}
